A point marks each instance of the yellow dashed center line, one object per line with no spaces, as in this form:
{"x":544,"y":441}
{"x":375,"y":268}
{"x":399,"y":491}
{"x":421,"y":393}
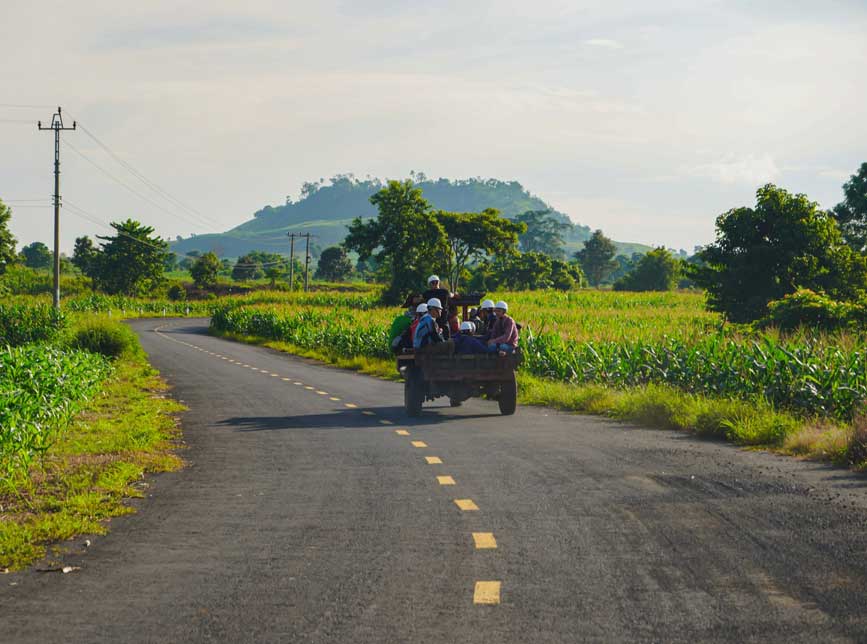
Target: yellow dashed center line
{"x":309,"y":387}
{"x":385,"y":422}
{"x":350,"y":405}
{"x":286,"y":379}
{"x":322,"y":393}
{"x":433,"y":460}
{"x":484,"y":540}
{"x":487,"y":592}
{"x":334,"y":398}
{"x":299,"y":383}
{"x":401,"y":432}
{"x":467,"y":505}
{"x":367,"y":412}
{"x":419,"y":444}
{"x":445,"y":480}
{"x":275,"y":375}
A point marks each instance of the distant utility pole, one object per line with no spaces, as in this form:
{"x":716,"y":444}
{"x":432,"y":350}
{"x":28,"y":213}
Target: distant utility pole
{"x":307,"y":264}
{"x":57,"y":126}
{"x":291,"y":259}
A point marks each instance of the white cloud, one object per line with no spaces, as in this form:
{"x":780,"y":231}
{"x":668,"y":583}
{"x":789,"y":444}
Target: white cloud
{"x":752,"y":170}
{"x":603,"y":43}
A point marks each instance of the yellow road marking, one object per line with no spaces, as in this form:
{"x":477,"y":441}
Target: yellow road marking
{"x":322,"y":393}
{"x":467,"y":505}
{"x":350,"y":405}
{"x":484,"y":540}
{"x":487,"y":592}
{"x":433,"y":460}
{"x":445,"y":480}
{"x":419,"y":444}
{"x":401,"y":432}
{"x":275,"y":375}
{"x":286,"y":379}
{"x":334,"y":398}
{"x":385,"y":422}
{"x":367,"y":412}
{"x":309,"y":387}
{"x":299,"y":383}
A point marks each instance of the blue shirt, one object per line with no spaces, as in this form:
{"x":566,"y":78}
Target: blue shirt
{"x":424,"y":332}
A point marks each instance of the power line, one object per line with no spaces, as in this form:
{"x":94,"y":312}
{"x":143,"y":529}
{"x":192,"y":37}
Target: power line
{"x":147,"y":182}
{"x":128,"y":187}
{"x":35,"y":107}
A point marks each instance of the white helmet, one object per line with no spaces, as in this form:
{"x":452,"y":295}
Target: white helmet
{"x":434,"y":303}
{"x":433,"y":278}
{"x":421,"y":308}
{"x":501,"y":305}
{"x":488,"y":304}
{"x":468,"y":326}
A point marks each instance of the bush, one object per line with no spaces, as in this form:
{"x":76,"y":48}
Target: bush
{"x":109,"y":338}
{"x":21,"y":324}
{"x":807,"y":308}
{"x":177,"y":293}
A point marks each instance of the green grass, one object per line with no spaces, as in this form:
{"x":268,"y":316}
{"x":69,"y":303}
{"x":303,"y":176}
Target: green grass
{"x":98,"y":462}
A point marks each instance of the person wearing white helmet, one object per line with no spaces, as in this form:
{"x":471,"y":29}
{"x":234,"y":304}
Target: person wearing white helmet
{"x":504,"y":337}
{"x":436,"y":291}
{"x":486,"y":317}
{"x":428,"y":331}
{"x":420,"y":311}
{"x":466,"y":343}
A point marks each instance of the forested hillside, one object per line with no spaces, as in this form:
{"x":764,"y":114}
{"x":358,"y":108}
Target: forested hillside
{"x":325,"y":208}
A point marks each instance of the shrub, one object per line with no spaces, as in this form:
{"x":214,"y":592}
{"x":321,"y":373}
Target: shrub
{"x":21,"y":324}
{"x":807,"y":308}
{"x":109,"y":338}
{"x":177,"y":293}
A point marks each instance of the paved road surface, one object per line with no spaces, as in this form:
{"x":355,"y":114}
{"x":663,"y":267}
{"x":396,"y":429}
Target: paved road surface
{"x":308,"y":514}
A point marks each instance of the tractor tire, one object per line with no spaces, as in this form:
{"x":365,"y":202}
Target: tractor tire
{"x":508,"y":398}
{"x":413,"y":392}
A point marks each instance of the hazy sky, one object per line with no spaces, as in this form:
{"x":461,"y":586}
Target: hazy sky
{"x":646,"y":119}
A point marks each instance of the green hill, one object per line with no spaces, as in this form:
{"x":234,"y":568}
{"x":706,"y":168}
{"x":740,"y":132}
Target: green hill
{"x":325,"y":209}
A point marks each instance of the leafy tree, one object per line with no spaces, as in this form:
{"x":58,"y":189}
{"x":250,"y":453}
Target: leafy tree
{"x":657,"y":270}
{"x":36,"y":255}
{"x":525,"y":271}
{"x":472,"y":235}
{"x":275,"y":272}
{"x":7,"y":240}
{"x":171,"y":263}
{"x":247,"y":268}
{"x":334,"y":264}
{"x":566,"y":276}
{"x":84,"y":255}
{"x":132,"y":261}
{"x":596,"y":258}
{"x":406,"y":237}
{"x":783,"y":244}
{"x":205,"y":270}
{"x":851,"y":213}
{"x":544,"y":233}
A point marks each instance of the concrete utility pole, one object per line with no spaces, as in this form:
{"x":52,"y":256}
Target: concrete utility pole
{"x":57,"y":126}
{"x":307,"y":264}
{"x":291,"y":259}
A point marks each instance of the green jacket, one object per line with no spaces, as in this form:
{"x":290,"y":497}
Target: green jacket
{"x":400,"y":324}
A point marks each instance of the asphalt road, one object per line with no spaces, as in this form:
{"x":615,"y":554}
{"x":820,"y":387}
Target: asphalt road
{"x":311,"y":513}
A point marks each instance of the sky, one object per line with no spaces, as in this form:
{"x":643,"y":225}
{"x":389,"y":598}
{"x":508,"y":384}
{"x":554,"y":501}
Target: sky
{"x":644,"y":119}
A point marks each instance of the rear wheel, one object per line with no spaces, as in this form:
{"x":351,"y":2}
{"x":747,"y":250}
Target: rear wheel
{"x":413,"y":392}
{"x":454,"y":402}
{"x":508,"y":398}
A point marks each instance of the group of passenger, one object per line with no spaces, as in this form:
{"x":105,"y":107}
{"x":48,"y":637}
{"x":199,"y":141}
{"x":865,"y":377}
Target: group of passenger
{"x":430,"y":319}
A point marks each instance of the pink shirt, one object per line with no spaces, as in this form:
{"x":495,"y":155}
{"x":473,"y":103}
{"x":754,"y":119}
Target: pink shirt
{"x":505,"y":331}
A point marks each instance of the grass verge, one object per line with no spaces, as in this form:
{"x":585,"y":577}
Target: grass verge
{"x":127,"y":431}
{"x":744,"y":423}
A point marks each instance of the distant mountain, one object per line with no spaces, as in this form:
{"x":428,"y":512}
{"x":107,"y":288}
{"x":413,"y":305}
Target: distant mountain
{"x":324,"y":209}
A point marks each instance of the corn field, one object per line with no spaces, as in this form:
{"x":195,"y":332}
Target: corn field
{"x":41,"y":388}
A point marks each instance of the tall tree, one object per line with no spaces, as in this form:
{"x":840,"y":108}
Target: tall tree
{"x":544,"y":233}
{"x":656,"y":270}
{"x":36,"y":255}
{"x":851,"y":213}
{"x":132,"y":261}
{"x":783,"y":244}
{"x":596,"y":258}
{"x":205,"y":270}
{"x":405,"y":236}
{"x":7,"y":240}
{"x":472,"y":235}
{"x":246,"y":268}
{"x":334,"y":264}
{"x":84,"y":257}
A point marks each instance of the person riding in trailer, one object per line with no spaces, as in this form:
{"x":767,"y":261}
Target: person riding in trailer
{"x":435,"y":291}
{"x":399,"y":326}
{"x":486,"y":318}
{"x":504,"y":337}
{"x":466,"y":343}
{"x":428,"y":330}
{"x":420,"y":312}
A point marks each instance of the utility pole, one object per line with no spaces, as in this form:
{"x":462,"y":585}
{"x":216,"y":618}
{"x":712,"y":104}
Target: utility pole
{"x":307,"y":264}
{"x":57,"y":126}
{"x":291,"y":259}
